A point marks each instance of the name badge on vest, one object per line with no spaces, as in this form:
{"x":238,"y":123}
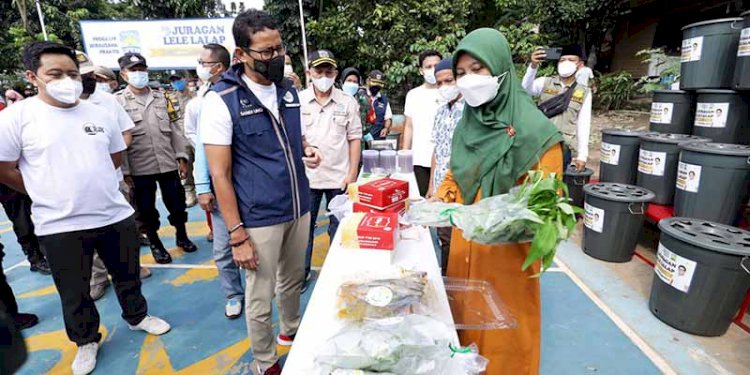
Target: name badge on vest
{"x":578,"y":95}
{"x":249,"y":109}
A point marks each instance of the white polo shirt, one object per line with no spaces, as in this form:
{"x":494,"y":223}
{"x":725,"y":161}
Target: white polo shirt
{"x":64,"y":156}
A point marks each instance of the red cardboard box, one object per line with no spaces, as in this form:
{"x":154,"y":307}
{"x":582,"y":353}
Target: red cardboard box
{"x":371,"y":231}
{"x":383,"y":193}
{"x":398,"y":208}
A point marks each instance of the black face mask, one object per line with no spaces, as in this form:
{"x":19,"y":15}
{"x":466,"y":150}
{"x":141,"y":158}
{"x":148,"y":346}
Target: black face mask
{"x":89,"y":85}
{"x":272,"y":70}
{"x":374,"y":90}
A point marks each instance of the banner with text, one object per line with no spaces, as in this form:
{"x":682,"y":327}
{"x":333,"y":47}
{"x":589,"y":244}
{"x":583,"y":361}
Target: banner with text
{"x":166,"y":44}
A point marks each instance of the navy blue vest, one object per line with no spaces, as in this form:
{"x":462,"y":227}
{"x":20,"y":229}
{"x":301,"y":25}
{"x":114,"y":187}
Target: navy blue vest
{"x":267,"y":169}
{"x":380,"y":104}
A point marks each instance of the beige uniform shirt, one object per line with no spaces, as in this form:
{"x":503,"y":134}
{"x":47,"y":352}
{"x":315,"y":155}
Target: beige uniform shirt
{"x":330,"y":127}
{"x":157,"y":141}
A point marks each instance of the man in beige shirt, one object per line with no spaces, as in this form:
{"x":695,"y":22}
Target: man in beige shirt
{"x":332,"y":123}
{"x":157,"y":155}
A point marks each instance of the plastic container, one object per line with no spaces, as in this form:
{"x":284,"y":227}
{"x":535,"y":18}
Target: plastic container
{"x":742,"y":64}
{"x":657,"y":163}
{"x":711,"y":181}
{"x":405,"y":162}
{"x":575,"y":181}
{"x":476,"y":305}
{"x":370,"y":160}
{"x":701,"y":275}
{"x":619,"y":155}
{"x":709,"y":51}
{"x":723,"y":116}
{"x":671,"y":112}
{"x":613,"y":220}
{"x":388,"y":161}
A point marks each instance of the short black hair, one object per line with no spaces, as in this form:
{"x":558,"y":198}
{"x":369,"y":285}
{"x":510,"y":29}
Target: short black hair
{"x":33,"y":52}
{"x":424,"y":55}
{"x":219,"y":53}
{"x":250,"y":22}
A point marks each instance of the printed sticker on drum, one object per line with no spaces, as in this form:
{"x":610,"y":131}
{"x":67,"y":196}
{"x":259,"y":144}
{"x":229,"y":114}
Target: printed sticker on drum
{"x":744,"y":48}
{"x":661,"y":113}
{"x":674,"y":269}
{"x":610,"y":153}
{"x":711,"y":115}
{"x":691,"y":49}
{"x":593,"y":218}
{"x":652,"y":162}
{"x":689,"y":177}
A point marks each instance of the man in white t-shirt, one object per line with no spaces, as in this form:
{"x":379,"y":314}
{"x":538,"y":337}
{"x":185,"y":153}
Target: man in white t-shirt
{"x":257,"y":155}
{"x":92,"y":94}
{"x":64,"y":154}
{"x":420,"y":109}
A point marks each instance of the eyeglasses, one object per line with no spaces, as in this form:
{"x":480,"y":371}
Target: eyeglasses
{"x":201,"y":62}
{"x":269,"y":53}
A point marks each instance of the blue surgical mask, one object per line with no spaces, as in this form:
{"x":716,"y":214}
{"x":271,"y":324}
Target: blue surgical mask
{"x":138,"y":80}
{"x":350,"y":88}
{"x":179,"y":85}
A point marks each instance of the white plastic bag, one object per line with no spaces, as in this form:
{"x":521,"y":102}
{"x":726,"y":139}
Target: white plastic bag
{"x":340,"y":206}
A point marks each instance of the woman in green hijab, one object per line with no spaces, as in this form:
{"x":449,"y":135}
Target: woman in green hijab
{"x":501,"y":136}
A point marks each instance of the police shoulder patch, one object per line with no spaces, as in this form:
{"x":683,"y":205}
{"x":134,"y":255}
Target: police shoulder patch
{"x":578,"y":95}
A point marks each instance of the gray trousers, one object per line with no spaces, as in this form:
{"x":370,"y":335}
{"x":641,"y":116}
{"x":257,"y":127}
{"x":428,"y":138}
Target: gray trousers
{"x":229,"y":273}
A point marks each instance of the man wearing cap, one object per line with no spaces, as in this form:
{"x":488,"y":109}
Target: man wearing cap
{"x":106,"y":80}
{"x":332,"y":123}
{"x":92,"y":94}
{"x":572,"y":116}
{"x":157,"y":155}
{"x":446,"y":120}
{"x":379,"y":115}
{"x":180,"y":95}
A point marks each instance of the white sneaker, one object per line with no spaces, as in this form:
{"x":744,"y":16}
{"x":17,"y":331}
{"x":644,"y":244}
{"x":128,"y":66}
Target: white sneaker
{"x":85,"y":360}
{"x":152,"y":325}
{"x":233,"y":309}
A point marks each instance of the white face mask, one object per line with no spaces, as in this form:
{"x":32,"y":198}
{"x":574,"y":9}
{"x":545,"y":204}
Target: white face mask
{"x":449,"y":92}
{"x":203,"y":73}
{"x":139,"y":80}
{"x":103,"y":87}
{"x":350,"y":88}
{"x":429,"y":76}
{"x":566,"y":68}
{"x":66,"y":90}
{"x":323,"y":84}
{"x":479,"y":89}
{"x":288,"y":69}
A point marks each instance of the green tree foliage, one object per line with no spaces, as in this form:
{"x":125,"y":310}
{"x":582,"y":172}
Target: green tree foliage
{"x":286,"y":14}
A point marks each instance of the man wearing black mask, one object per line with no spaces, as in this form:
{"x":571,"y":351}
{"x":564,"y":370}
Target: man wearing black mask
{"x":257,"y":155}
{"x":379,"y":116}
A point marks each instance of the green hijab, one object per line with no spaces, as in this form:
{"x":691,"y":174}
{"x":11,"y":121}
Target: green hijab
{"x":483,"y":155}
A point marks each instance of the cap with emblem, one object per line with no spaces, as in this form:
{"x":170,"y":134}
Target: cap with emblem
{"x":131,"y":59}
{"x":377,"y":78}
{"x":321,"y":57}
{"x":85,"y":66}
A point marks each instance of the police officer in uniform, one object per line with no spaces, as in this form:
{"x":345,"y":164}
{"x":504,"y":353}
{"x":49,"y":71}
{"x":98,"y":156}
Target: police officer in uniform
{"x":573,"y":117}
{"x":156,"y":155}
{"x":180,"y":95}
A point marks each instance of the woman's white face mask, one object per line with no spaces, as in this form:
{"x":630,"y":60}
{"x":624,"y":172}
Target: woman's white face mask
{"x":480,"y":89}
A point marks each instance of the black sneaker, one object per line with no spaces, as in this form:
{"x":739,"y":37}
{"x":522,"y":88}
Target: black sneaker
{"x":143,"y":239}
{"x":41,"y":266}
{"x":160,"y":254}
{"x":24,"y":321}
{"x":186,"y":245}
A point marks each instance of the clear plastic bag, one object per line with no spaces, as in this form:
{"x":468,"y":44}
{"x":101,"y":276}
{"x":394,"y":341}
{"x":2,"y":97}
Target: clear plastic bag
{"x":498,"y":219}
{"x":340,"y":206}
{"x":410,"y":345}
{"x":389,"y":293}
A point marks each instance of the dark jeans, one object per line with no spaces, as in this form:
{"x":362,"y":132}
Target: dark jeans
{"x":172,"y":193}
{"x":423,"y":179}
{"x":316,"y":196}
{"x":8,"y":303}
{"x":70,"y":255}
{"x":444,"y":235}
{"x":18,"y":209}
{"x":567,"y":158}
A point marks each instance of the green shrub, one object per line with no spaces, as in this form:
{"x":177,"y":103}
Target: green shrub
{"x":614,"y":90}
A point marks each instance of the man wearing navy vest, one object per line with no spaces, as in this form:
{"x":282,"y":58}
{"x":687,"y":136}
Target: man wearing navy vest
{"x":379,"y":116}
{"x":257,"y":154}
